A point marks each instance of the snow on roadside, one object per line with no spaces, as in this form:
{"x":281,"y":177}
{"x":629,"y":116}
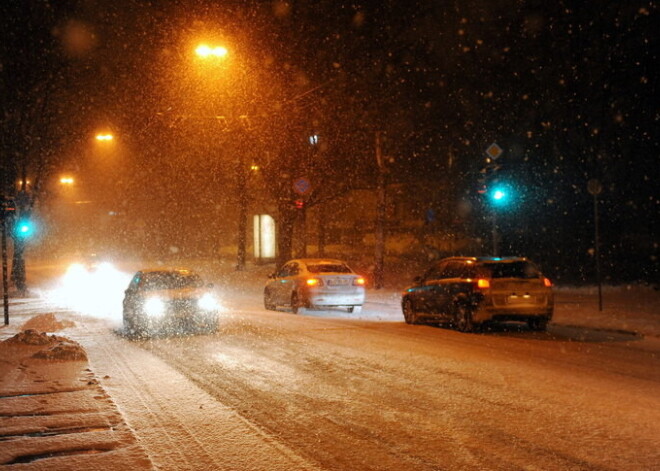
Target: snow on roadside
{"x":53,"y":413}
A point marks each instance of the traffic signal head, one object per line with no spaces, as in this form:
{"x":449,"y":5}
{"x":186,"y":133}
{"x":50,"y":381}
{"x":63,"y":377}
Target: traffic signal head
{"x":24,"y":228}
{"x":500,"y":195}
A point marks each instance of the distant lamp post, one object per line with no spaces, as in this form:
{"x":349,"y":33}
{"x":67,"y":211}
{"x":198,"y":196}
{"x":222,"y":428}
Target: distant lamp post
{"x":104,"y":137}
{"x":68,"y":181}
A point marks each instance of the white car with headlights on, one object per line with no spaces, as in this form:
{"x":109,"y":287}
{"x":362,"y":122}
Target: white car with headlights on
{"x":314,"y":283}
{"x":169,"y":300}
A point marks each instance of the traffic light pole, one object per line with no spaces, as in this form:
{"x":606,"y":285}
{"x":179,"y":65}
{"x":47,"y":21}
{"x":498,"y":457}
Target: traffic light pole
{"x":495,"y":235}
{"x":5,"y":282}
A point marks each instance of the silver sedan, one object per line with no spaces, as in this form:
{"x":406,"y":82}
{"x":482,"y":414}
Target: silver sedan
{"x":314,"y":283}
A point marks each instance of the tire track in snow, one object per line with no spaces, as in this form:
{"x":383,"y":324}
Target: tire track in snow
{"x":180,"y":426}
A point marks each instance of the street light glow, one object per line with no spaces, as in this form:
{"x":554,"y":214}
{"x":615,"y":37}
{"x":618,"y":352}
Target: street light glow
{"x":205,"y":51}
{"x":66,"y":180}
{"x":104,"y":137}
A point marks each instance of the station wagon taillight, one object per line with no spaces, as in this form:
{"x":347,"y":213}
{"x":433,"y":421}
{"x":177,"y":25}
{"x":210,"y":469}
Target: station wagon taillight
{"x":547,"y":282}
{"x":483,"y":283}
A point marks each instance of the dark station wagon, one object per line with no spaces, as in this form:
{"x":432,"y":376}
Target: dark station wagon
{"x":468,"y":292}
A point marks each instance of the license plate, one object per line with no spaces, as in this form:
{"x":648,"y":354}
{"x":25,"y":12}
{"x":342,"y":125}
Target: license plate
{"x":338,"y":282}
{"x":524,"y":299}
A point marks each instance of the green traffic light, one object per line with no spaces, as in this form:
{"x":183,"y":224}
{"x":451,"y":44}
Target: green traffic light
{"x":500,"y":195}
{"x":24,"y":229}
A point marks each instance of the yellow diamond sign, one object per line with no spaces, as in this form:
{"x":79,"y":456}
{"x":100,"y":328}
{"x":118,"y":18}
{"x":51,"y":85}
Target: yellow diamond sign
{"x":494,"y":151}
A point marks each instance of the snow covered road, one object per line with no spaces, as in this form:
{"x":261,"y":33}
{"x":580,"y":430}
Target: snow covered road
{"x":336,"y":391}
{"x":272,"y":390}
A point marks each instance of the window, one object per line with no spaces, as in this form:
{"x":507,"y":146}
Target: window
{"x":435,"y":273}
{"x":521,"y":269}
{"x":328,"y":268}
{"x":171,"y":280}
{"x":453,"y":270}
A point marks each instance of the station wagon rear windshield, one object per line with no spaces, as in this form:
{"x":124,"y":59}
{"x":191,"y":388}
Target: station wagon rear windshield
{"x":328,"y":268}
{"x":525,"y":270}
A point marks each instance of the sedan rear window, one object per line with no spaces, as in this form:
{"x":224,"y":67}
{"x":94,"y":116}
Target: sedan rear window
{"x":328,"y":268}
{"x":523,"y":270}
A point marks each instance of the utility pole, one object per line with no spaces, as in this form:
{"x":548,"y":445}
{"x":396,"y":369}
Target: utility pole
{"x":379,"y":266}
{"x":242,"y":213}
{"x":595,"y":188}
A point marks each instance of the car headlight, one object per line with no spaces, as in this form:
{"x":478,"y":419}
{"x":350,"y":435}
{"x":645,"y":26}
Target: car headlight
{"x":207,"y":302}
{"x":154,"y":307}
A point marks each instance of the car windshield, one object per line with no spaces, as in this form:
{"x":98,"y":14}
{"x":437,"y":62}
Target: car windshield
{"x":328,"y":268}
{"x":171,"y":280}
{"x":521,"y":269}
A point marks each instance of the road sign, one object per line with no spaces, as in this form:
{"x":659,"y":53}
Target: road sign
{"x":494,"y":151}
{"x":302,"y":186}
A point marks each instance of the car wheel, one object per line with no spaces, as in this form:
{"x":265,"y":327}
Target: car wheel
{"x":210,"y":324}
{"x":463,"y":318}
{"x":355,"y":309}
{"x":539,"y":324}
{"x":409,"y":313}
{"x":268,"y":301}
{"x":131,"y":327}
{"x":296,"y":304}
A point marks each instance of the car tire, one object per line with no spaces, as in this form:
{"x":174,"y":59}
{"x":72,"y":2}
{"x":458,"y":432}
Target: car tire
{"x":462,"y":318}
{"x":538,"y":324}
{"x":296,"y":305}
{"x":354,"y":309}
{"x":409,"y":312}
{"x":268,"y":301}
{"x":131,"y":329}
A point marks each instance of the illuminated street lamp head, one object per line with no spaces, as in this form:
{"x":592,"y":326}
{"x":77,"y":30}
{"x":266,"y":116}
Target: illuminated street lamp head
{"x":66,"y":180}
{"x":205,"y":51}
{"x":104,"y":137}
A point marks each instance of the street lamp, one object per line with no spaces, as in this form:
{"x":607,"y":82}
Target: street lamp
{"x":204,"y":51}
{"x":104,"y":137}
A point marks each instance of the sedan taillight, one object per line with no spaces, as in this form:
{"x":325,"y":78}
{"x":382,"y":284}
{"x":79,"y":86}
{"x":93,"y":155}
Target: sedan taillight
{"x":547,"y":282}
{"x":314,"y":282}
{"x":358,"y":281}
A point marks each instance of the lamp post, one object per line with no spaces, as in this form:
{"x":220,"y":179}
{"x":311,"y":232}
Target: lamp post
{"x":206,"y":52}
